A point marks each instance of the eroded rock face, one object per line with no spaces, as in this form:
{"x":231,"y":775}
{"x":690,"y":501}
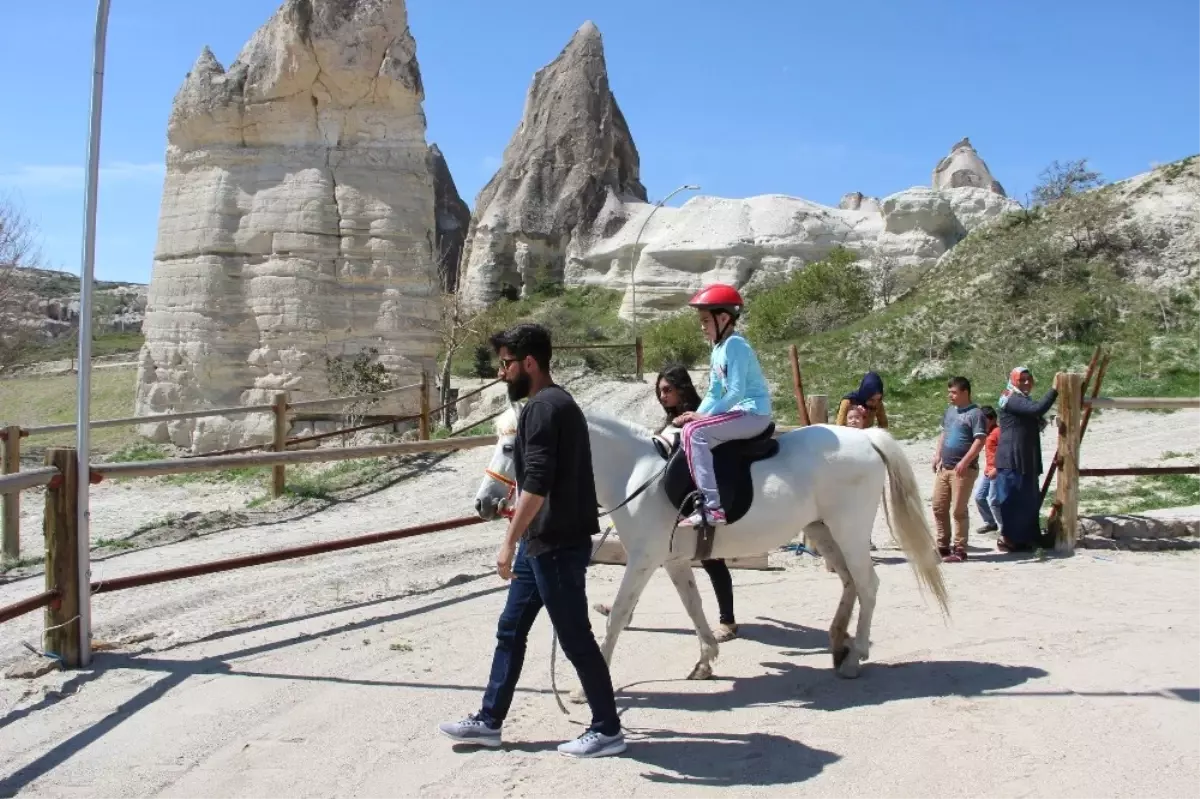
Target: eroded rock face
{"x":963,"y":168}
{"x":297,"y":221}
{"x":571,"y":158}
{"x":453,"y":219}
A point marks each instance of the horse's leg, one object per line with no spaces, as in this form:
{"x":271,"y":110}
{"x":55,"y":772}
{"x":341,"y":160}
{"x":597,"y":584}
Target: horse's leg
{"x":680,"y":572}
{"x":835,"y":562}
{"x":633,"y":582}
{"x":862,"y":570}
{"x":851,"y":532}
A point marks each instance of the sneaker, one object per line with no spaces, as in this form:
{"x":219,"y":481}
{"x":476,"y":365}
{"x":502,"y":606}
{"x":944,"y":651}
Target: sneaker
{"x":602,"y":608}
{"x":471,"y":730}
{"x":987,"y":528}
{"x":593,"y":744}
{"x":943,"y":552}
{"x":959,"y":555}
{"x":713,"y":516}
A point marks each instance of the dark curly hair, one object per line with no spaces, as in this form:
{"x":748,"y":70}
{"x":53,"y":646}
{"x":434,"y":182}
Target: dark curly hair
{"x":676,"y":375}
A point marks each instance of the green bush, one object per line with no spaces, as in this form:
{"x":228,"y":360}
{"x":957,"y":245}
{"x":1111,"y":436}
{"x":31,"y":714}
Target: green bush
{"x":676,"y":339}
{"x":821,"y":296}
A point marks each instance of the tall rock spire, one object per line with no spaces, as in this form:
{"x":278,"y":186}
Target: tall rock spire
{"x":571,"y":152}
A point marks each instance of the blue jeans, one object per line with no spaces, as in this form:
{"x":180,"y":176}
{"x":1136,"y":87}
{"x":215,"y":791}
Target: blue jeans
{"x":987,"y":502}
{"x":555,"y":580}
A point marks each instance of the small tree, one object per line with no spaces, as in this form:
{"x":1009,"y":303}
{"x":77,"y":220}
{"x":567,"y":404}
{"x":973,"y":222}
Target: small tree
{"x":484,"y":368}
{"x":455,"y":326}
{"x":885,"y":279}
{"x":18,"y":251}
{"x":358,"y":374}
{"x":1064,"y":179}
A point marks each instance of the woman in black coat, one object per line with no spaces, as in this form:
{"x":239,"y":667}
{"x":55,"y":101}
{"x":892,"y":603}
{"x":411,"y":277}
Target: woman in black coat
{"x":1019,"y":461}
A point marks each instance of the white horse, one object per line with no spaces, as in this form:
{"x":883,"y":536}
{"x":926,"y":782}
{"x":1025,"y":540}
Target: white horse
{"x":825,"y":481}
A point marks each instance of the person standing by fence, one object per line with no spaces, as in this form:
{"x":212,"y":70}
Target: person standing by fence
{"x":1019,"y":461}
{"x":554,"y":521}
{"x":956,"y":466}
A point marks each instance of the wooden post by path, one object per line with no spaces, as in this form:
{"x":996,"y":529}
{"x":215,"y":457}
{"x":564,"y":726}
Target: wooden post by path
{"x":278,"y":473}
{"x":818,"y":409}
{"x":1066,"y":499}
{"x":11,"y":436}
{"x":798,"y":386}
{"x":424,"y":423}
{"x":61,"y":527}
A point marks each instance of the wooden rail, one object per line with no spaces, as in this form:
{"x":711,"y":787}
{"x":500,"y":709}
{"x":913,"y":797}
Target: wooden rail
{"x":1143,"y":403}
{"x":212,"y":463}
{"x":30,"y":478}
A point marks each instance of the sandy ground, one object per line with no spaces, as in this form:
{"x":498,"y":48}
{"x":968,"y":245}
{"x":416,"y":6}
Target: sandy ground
{"x":326,"y":675}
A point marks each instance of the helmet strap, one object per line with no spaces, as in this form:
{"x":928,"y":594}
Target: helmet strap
{"x":722,"y":330}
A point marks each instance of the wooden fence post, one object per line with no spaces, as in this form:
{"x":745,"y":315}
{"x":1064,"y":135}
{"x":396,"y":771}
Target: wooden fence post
{"x":639,"y":355}
{"x":11,"y":436}
{"x":1066,"y":495}
{"x":818,"y":409}
{"x":798,"y":387}
{"x":424,"y":428}
{"x":61,"y":527}
{"x":279,"y":472}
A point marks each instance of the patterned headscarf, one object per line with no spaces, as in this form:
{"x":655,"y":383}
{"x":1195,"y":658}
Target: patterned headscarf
{"x":1011,"y":388}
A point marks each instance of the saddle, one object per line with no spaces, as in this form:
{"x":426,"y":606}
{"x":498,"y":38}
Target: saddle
{"x":731,"y":464}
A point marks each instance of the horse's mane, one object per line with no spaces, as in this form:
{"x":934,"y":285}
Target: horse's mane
{"x":506,"y":423}
{"x":611,"y":423}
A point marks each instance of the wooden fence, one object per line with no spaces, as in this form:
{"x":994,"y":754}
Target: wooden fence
{"x":1074,"y":409}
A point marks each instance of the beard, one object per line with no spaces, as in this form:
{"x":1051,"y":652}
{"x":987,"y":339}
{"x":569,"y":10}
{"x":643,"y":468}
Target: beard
{"x":518,"y":387}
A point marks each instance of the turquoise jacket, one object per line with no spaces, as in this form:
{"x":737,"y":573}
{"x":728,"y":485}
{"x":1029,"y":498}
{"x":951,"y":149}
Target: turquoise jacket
{"x":735,"y":381}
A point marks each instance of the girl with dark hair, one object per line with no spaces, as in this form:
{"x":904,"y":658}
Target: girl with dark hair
{"x":677,"y":395}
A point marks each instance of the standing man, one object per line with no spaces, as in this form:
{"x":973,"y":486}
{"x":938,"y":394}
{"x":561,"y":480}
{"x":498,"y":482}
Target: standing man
{"x":956,"y":466}
{"x":554,"y":521}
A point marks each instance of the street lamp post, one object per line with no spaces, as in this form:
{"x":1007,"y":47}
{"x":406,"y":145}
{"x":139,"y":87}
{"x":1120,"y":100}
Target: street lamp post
{"x":84,"y":399}
{"x":633,"y":257}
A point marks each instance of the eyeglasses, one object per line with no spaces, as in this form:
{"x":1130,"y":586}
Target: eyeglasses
{"x":507,"y":362}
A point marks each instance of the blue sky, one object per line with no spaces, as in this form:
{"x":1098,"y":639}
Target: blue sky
{"x":802,"y":98}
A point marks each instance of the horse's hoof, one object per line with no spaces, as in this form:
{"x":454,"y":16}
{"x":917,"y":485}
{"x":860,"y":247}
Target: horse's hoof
{"x":839,"y":657}
{"x":577,"y":697}
{"x":849,"y":669}
{"x":702,"y":671}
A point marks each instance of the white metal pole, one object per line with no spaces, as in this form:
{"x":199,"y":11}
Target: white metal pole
{"x":633,"y":257}
{"x":86,"y":273}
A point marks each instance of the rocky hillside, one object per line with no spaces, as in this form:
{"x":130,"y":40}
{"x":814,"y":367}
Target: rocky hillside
{"x":39,"y":314}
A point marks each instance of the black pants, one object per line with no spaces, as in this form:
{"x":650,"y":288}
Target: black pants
{"x":554,"y":580}
{"x":722,"y":583}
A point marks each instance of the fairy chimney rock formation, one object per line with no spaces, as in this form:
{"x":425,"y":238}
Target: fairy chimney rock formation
{"x":297,"y":222}
{"x":963,"y":168}
{"x":453,"y":219}
{"x":571,"y":155}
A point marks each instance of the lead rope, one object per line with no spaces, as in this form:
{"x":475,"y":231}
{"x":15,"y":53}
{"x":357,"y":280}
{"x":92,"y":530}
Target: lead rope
{"x":554,"y":636}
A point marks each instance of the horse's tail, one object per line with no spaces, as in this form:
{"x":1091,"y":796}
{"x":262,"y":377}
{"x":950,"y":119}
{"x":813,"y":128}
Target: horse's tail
{"x":906,"y":517}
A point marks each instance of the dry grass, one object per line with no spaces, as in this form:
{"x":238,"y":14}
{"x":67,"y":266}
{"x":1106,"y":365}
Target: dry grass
{"x":50,"y":399}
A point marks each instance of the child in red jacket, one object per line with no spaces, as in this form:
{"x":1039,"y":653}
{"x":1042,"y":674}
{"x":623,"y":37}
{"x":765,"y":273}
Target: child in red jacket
{"x":985,"y":489}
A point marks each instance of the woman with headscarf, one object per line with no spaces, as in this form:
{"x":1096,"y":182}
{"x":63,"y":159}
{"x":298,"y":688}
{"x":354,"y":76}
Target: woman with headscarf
{"x":869,"y":397}
{"x":1019,"y":461}
{"x":677,"y":394}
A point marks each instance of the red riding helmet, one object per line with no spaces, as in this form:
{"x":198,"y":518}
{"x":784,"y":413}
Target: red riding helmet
{"x":718,"y":297}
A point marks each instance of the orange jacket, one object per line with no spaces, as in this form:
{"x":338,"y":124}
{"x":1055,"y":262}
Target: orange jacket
{"x":989,"y":448}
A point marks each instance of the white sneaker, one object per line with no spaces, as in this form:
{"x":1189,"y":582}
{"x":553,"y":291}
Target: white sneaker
{"x":713,"y":516}
{"x":593,"y":744}
{"x":471,"y":730}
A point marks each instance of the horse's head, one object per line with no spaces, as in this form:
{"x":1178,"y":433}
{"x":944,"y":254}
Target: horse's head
{"x":498,"y":490}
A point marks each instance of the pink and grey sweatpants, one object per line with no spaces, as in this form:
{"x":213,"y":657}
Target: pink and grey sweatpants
{"x":701,"y":436}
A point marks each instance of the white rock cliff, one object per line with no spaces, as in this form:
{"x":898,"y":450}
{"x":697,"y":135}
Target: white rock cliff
{"x":297,"y":221}
{"x":566,"y":205}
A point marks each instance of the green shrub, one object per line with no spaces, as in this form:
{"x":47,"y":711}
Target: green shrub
{"x":676,"y":339}
{"x":823,"y":295}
